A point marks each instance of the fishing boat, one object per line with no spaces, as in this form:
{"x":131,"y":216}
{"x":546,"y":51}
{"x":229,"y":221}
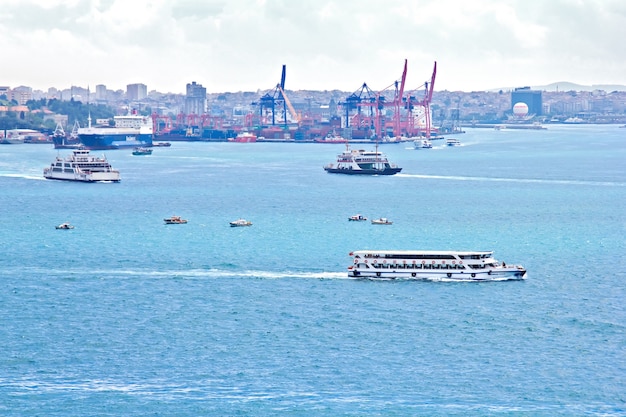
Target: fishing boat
{"x":382,"y":220}
{"x":83,"y":167}
{"x":361,"y":162}
{"x":433,"y":265}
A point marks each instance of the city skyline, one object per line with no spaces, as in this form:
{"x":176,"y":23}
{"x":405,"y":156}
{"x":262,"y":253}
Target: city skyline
{"x":241,"y":46}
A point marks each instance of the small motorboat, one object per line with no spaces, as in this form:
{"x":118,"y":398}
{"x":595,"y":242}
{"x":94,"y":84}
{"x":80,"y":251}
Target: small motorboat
{"x":382,"y":220}
{"x":422,"y":144}
{"x":453,"y":142}
{"x":142,"y":151}
{"x":174,"y":220}
{"x":240,"y":223}
{"x":64,"y":226}
{"x":357,"y":218}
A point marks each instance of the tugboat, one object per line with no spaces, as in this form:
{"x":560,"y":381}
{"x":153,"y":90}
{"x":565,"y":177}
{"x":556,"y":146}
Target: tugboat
{"x":361,"y":162}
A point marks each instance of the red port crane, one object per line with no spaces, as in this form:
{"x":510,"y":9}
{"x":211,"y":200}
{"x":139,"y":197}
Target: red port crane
{"x":376,"y":102}
{"x":410,"y":102}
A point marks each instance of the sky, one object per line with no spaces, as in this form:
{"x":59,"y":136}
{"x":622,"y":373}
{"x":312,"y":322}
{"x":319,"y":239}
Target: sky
{"x":241,"y":45}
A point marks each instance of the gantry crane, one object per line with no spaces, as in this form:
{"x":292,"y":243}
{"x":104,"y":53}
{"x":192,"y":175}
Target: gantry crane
{"x":376,"y":102}
{"x":410,"y":101}
{"x":270,"y":99}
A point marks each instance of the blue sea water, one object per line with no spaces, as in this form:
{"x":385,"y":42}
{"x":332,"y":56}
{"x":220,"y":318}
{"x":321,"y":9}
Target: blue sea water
{"x":127,"y":316}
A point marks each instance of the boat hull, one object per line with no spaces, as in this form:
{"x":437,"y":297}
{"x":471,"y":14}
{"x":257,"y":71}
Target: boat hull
{"x":103,"y":141}
{"x":496,"y":274}
{"x":93,"y":177}
{"x":347,"y":171}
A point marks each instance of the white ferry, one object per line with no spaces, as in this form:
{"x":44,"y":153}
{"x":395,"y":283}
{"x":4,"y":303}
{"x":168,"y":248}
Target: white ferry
{"x":433,"y":265}
{"x":361,"y":162}
{"x":80,"y":166}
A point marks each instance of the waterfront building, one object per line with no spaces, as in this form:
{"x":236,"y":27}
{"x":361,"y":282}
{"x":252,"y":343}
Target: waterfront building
{"x":532,"y":98}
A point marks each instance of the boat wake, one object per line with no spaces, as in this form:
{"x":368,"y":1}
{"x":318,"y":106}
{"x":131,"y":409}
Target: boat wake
{"x":214,"y":273}
{"x":28,"y":177}
{"x":516,"y":180}
{"x":184,"y":274}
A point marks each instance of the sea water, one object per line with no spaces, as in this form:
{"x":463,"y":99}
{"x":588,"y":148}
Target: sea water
{"x":125,"y":315}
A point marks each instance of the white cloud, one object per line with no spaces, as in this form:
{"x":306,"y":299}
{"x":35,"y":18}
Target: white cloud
{"x":326,"y":44}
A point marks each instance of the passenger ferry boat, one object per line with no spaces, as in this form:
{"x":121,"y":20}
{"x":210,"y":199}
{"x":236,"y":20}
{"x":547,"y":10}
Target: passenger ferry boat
{"x":130,"y":131}
{"x":361,"y":162}
{"x":433,"y":265}
{"x":81,"y":166}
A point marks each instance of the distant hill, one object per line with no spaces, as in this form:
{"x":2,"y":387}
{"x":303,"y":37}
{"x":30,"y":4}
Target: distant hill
{"x":567,"y":86}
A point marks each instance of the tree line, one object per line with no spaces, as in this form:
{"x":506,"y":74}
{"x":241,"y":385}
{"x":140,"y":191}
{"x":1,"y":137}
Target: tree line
{"x":31,"y":119}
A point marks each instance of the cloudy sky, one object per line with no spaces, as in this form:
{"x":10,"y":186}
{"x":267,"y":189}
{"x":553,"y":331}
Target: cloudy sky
{"x":241,"y":45}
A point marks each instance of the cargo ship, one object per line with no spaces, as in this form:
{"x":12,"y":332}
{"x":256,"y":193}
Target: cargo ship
{"x":130,"y":131}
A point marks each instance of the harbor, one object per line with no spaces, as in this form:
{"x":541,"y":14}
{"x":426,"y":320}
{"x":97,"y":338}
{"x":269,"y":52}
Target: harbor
{"x":172,"y":318}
